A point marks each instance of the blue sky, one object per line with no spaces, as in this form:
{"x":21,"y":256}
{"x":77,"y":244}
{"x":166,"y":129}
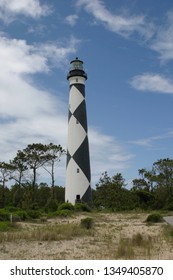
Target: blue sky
{"x":127,"y":51}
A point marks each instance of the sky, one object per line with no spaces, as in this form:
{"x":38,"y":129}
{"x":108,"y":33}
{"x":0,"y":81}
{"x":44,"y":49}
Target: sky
{"x":127,"y":49}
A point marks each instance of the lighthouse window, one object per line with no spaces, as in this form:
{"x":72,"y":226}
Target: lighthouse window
{"x":76,"y":80}
{"x":78,"y":170}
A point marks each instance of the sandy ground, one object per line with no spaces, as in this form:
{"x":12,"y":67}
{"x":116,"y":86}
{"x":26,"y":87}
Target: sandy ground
{"x":109,"y":231}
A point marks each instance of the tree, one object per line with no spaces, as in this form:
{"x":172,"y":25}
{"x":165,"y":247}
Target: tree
{"x":164,"y":183}
{"x":155,"y":188}
{"x":164,"y":174}
{"x":19,"y":168}
{"x":118,"y":180}
{"x":104,"y":180}
{"x":5,"y":174}
{"x":34,"y":156}
{"x":111,"y":194}
{"x":54,"y":154}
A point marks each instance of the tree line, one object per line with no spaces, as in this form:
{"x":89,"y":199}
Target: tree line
{"x":152,"y":190}
{"x":23,"y":170}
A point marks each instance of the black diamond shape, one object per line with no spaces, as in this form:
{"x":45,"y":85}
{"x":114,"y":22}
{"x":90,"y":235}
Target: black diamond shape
{"x":87,"y":197}
{"x":80,"y":114}
{"x":81,"y":157}
{"x":81,"y":88}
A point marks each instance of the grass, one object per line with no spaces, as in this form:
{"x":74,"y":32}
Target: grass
{"x":168,"y":232}
{"x":7,"y":226}
{"x":47,"y":233}
{"x":129,"y":248}
{"x":109,"y":238}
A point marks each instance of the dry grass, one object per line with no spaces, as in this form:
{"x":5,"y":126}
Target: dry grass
{"x":46,"y":233}
{"x":114,"y":236}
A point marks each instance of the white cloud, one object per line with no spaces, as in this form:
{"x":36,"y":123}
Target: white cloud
{"x":152,"y":82}
{"x":18,"y":58}
{"x":149,"y":141}
{"x":56,"y":53}
{"x":124,"y":25}
{"x":25,"y":109}
{"x":107,"y":154}
{"x":32,"y":8}
{"x":164,"y":38}
{"x":29,"y":114}
{"x":71,"y":20}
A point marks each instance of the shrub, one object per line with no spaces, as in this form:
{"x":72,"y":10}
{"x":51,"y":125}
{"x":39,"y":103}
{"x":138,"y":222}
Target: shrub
{"x":22,"y":214}
{"x":87,"y":223}
{"x":4,"y":215}
{"x":11,"y":209}
{"x":82,"y":207}
{"x":5,"y":226}
{"x":34,"y":214}
{"x":52,"y":205}
{"x":154,"y":218}
{"x":67,"y":206}
{"x":63,"y":213}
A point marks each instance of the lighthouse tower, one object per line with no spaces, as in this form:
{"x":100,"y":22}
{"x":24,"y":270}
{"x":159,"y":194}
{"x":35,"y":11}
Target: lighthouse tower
{"x":78,"y":177}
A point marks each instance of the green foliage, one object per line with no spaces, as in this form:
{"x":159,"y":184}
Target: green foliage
{"x":152,"y":191}
{"x":81,"y":207}
{"x":33,"y":214}
{"x":87,"y":223}
{"x":112,"y":194}
{"x":6,"y":226}
{"x":11,"y":209}
{"x":64,"y":213}
{"x":4,"y":215}
{"x":22,"y":214}
{"x":52,"y":205}
{"x":66,"y":206}
{"x":154,"y":218}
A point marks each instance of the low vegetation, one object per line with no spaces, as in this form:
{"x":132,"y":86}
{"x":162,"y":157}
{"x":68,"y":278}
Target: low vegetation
{"x":154,"y":218}
{"x":97,"y":235}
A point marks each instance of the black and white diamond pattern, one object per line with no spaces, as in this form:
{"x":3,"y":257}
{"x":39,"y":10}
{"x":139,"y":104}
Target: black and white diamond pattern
{"x":78,"y":175}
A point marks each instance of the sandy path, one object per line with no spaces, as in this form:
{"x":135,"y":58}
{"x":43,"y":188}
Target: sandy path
{"x":169,"y":220}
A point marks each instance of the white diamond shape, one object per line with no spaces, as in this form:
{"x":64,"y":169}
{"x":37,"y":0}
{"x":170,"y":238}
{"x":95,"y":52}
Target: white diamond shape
{"x":76,"y":135}
{"x":75,"y":98}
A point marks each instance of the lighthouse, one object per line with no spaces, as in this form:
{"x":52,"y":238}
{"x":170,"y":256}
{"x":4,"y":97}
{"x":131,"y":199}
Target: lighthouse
{"x":78,"y":175}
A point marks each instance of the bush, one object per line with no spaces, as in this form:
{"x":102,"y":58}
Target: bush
{"x":4,"y":215}
{"x":22,"y":214}
{"x":82,"y":207}
{"x":154,"y":218}
{"x":66,"y":206}
{"x":34,"y":214}
{"x":52,"y":205}
{"x":5,"y":226}
{"x":11,"y":209}
{"x":87,"y":223}
{"x":63,"y":213}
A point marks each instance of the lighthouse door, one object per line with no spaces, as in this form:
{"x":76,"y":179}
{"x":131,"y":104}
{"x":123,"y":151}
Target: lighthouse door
{"x":78,"y":198}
